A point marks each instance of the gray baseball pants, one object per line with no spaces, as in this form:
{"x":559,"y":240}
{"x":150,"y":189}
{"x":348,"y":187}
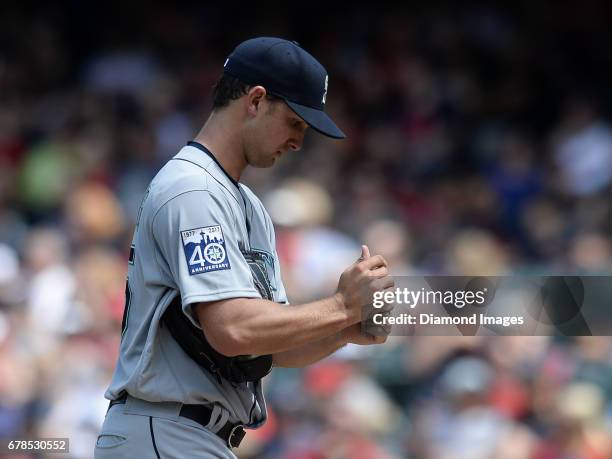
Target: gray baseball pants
{"x":141,"y":429}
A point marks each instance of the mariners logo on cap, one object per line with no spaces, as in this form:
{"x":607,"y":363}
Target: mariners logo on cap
{"x":325,"y":92}
{"x":205,"y":249}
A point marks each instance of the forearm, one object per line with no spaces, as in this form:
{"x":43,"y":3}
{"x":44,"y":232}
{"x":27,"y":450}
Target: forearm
{"x":253,"y":326}
{"x":310,"y":353}
{"x":256,"y":327}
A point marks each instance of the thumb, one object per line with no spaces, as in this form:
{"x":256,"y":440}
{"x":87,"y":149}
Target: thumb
{"x":365,"y":253}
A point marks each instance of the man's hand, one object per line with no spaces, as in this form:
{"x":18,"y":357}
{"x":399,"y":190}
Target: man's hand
{"x":354,"y":335}
{"x":359,"y":281}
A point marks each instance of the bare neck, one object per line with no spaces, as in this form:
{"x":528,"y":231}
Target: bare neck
{"x":221,"y":136}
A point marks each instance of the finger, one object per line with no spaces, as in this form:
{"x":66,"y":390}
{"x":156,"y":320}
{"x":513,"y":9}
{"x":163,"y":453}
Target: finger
{"x":379,"y":339}
{"x":382,"y":283}
{"x":382,"y":315}
{"x":369,"y":311}
{"x":374,"y":262}
{"x":371,"y":334}
{"x":365,"y":340}
{"x":386,"y":308}
{"x":383,"y":271}
{"x":365,"y":253}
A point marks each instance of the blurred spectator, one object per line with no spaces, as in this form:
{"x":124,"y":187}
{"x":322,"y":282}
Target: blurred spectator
{"x":461,"y":423}
{"x":52,"y":287}
{"x":516,"y":179}
{"x":591,"y":253}
{"x":312,"y":254}
{"x":93,"y":214}
{"x":583,"y":150}
{"x":476,"y":253}
{"x":578,"y":430}
{"x":393,"y":241}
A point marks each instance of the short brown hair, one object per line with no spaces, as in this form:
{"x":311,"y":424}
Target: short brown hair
{"x":228,"y":88}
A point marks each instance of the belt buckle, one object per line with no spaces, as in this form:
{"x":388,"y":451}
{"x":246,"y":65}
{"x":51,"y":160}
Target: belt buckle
{"x":235,"y":436}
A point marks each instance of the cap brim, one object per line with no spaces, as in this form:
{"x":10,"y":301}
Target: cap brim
{"x":317,"y":119}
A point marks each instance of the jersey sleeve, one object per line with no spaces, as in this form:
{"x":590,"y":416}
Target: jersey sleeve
{"x":198,"y":239}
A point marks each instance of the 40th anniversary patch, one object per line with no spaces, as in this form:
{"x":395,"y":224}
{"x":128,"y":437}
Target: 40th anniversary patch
{"x":205,"y":249}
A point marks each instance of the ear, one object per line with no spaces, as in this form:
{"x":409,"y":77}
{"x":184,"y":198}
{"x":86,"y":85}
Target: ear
{"x":254,"y":97}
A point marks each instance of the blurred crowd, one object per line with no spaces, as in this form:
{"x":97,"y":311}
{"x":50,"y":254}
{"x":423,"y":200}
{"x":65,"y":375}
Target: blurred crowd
{"x":479,"y":142}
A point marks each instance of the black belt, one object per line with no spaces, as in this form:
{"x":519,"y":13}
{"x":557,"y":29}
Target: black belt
{"x":232,"y":434}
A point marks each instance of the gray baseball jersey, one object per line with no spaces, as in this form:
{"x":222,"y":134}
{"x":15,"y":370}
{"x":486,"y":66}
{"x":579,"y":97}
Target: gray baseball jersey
{"x":203,"y":236}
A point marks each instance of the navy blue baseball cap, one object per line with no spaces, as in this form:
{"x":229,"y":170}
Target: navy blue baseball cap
{"x":288,"y":72}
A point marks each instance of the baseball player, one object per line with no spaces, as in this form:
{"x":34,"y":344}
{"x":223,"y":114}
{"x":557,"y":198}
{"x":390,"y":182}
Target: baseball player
{"x":206,"y":314}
